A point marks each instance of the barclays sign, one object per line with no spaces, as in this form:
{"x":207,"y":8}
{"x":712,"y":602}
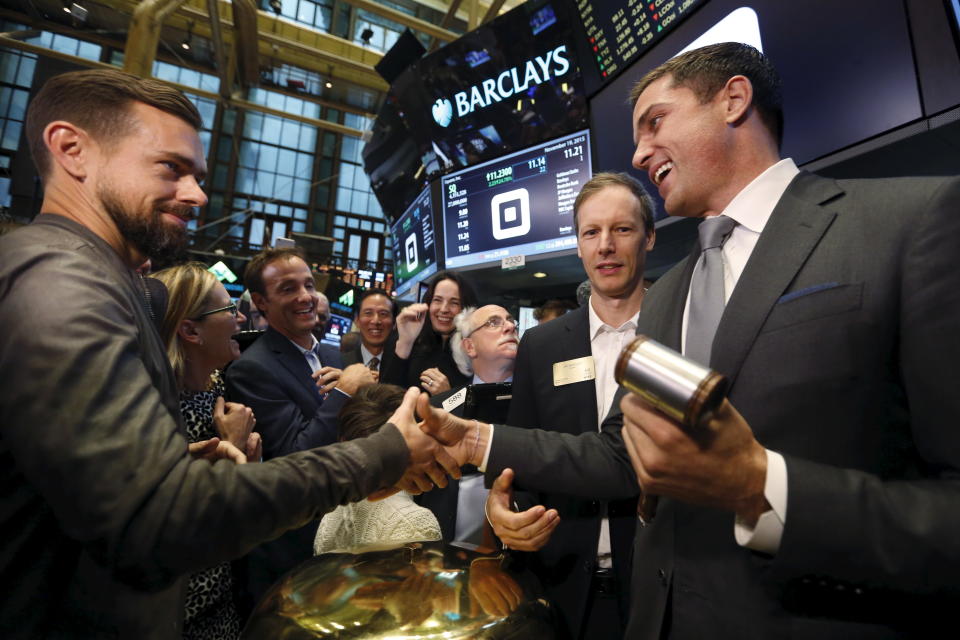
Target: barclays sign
{"x":510,"y":82}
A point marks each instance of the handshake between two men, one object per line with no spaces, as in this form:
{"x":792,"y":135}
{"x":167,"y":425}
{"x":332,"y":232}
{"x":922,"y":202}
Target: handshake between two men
{"x":719,"y":464}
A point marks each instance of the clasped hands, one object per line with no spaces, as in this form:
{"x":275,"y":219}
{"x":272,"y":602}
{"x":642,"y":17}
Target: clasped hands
{"x":439,"y":443}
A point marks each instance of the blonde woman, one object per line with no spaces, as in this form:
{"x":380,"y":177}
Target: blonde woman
{"x":198,"y":329}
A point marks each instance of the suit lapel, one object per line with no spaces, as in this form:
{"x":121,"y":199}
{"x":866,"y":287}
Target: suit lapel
{"x":791,"y":234}
{"x":576,"y":344}
{"x":293,"y":361}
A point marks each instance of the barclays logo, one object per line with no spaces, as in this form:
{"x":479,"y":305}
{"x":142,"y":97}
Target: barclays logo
{"x":508,"y":83}
{"x":442,"y":112}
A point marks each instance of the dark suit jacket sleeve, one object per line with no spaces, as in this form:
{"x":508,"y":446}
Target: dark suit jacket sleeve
{"x":280,"y":421}
{"x":899,"y":532}
{"x":591,"y":465}
{"x":523,"y":411}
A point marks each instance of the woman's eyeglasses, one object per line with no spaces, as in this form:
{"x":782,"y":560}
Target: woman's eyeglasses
{"x":232,"y":308}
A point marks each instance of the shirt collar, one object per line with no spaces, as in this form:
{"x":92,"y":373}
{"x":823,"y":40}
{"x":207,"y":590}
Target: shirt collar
{"x":313,"y":345}
{"x":597,"y":325}
{"x":365,"y":355}
{"x":477,"y":380}
{"x":751,"y":208}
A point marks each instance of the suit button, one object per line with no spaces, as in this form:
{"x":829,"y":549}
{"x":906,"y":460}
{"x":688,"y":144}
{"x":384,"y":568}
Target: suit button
{"x":587,"y":566}
{"x":663,"y":576}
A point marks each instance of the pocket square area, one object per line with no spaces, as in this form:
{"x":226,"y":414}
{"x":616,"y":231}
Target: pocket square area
{"x":793,"y":295}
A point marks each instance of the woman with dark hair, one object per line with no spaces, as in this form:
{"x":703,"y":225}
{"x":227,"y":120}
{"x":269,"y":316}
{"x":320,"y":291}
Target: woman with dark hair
{"x":422,"y":348}
{"x":385,"y":523}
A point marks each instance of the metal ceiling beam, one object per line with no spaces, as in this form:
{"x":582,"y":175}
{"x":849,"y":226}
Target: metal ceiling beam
{"x":224,"y":66}
{"x":462,"y":14}
{"x":285,"y":41}
{"x":493,"y":11}
{"x":245,"y":43}
{"x":144,"y":35}
{"x":289,"y":42}
{"x":446,"y":22}
{"x":405,"y":19}
{"x":230,"y":102}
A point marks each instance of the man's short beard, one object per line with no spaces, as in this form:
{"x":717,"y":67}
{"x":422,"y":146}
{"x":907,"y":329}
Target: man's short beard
{"x":164,"y":244}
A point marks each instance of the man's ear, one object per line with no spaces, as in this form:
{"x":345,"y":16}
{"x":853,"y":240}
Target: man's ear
{"x":70,"y":147}
{"x":259,"y":302}
{"x":651,"y":239}
{"x":187,"y":331}
{"x":468,"y":348}
{"x":738,"y":98}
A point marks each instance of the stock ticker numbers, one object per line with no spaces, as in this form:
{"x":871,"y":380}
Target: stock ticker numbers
{"x":618,"y":32}
{"x":520,"y":204}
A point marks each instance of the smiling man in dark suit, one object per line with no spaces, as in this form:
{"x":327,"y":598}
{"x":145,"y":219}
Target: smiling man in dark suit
{"x":827,"y":507}
{"x":294,"y":385}
{"x":375,"y":316}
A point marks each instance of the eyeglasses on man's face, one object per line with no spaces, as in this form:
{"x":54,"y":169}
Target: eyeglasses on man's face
{"x":497,"y":322}
{"x":232,"y":308}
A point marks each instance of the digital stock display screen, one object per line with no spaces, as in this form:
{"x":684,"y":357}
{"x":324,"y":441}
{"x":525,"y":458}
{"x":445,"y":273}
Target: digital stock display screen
{"x":519,"y":204}
{"x":620,"y":32}
{"x":414,"y":243}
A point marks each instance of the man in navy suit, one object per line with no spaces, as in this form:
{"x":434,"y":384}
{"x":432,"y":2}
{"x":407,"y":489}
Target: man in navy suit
{"x":294,"y":386}
{"x":292,"y":382}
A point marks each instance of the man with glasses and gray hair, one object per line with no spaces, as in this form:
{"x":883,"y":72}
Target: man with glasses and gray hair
{"x":483,"y":345}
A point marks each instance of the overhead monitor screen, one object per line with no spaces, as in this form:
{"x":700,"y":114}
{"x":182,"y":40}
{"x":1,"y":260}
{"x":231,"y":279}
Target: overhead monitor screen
{"x":620,"y":32}
{"x":520,"y":204}
{"x":506,"y":85}
{"x":414,"y":244}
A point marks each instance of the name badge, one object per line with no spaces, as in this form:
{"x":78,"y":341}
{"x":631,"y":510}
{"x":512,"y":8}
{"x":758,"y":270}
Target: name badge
{"x":576,"y":370}
{"x":455,"y":400}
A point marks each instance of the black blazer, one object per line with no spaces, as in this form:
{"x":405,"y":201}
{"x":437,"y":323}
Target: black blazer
{"x":355,"y":356}
{"x":273,"y":378}
{"x":429,"y":350}
{"x":840,"y":341}
{"x":566,"y":563}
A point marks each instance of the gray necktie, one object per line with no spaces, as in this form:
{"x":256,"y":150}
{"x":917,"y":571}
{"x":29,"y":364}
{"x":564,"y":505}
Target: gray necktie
{"x":374,"y":364}
{"x":706,"y":289}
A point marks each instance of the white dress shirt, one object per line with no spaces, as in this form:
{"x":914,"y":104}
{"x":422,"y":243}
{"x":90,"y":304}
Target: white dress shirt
{"x":751,"y":209}
{"x":471,"y":499}
{"x":313,"y":359}
{"x":606,"y":343}
{"x":367,"y":356}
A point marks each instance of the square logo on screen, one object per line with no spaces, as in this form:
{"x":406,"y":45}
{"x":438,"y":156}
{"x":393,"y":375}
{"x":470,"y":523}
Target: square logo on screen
{"x":411,"y":251}
{"x":511,"y":214}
